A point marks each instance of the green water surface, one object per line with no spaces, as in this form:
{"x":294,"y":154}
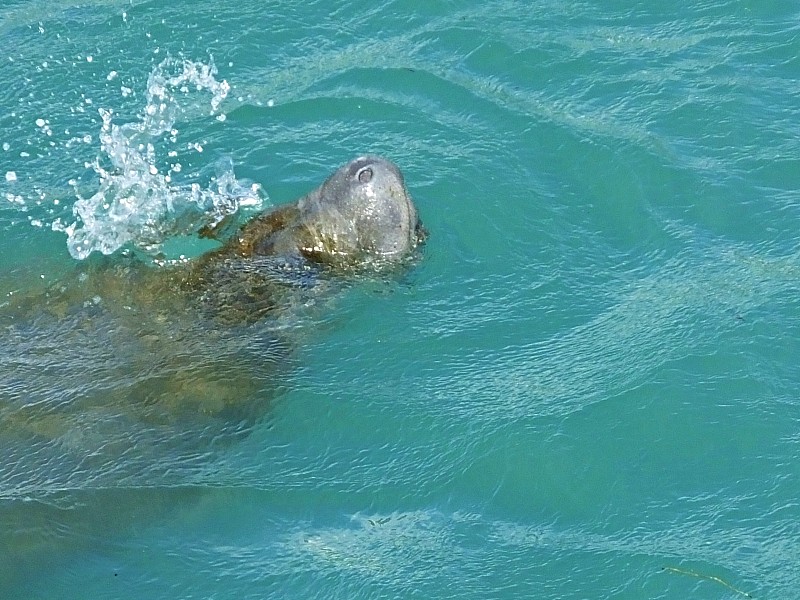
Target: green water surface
{"x":588,"y":387}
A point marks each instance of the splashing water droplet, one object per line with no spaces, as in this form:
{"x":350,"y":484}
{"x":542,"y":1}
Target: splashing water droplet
{"x":136,"y":204}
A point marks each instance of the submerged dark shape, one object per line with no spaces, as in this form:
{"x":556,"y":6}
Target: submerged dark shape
{"x":122,"y":364}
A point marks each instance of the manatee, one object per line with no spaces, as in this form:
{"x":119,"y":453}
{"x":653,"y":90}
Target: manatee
{"x":361,"y":218}
{"x":122,"y":359}
{"x":362,"y":214}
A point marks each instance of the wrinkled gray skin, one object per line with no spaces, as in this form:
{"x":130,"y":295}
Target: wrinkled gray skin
{"x":365,"y":209}
{"x":361,"y":215}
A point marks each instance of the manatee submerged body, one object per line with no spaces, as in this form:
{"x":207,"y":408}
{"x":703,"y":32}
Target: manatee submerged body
{"x":129,"y":360}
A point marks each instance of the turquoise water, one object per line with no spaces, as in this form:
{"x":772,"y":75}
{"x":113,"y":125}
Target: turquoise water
{"x":587,"y":387}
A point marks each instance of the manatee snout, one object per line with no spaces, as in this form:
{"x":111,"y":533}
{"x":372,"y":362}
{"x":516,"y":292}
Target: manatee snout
{"x":361,"y":216}
{"x":363,"y":209}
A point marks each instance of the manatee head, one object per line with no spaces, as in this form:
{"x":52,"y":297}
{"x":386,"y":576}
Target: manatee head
{"x":362,"y":212}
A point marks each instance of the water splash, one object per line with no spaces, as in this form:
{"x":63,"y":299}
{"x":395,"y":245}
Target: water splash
{"x":136,"y":203}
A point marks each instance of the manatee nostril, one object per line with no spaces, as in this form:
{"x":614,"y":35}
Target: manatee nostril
{"x":365,"y":175}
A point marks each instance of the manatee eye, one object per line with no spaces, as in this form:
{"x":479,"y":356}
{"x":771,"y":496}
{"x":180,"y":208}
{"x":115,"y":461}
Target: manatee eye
{"x":365,"y":175}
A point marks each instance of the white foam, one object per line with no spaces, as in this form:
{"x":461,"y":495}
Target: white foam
{"x":135,"y":203}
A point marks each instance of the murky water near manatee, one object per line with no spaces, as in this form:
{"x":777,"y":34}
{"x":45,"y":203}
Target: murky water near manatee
{"x":585,"y":388}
